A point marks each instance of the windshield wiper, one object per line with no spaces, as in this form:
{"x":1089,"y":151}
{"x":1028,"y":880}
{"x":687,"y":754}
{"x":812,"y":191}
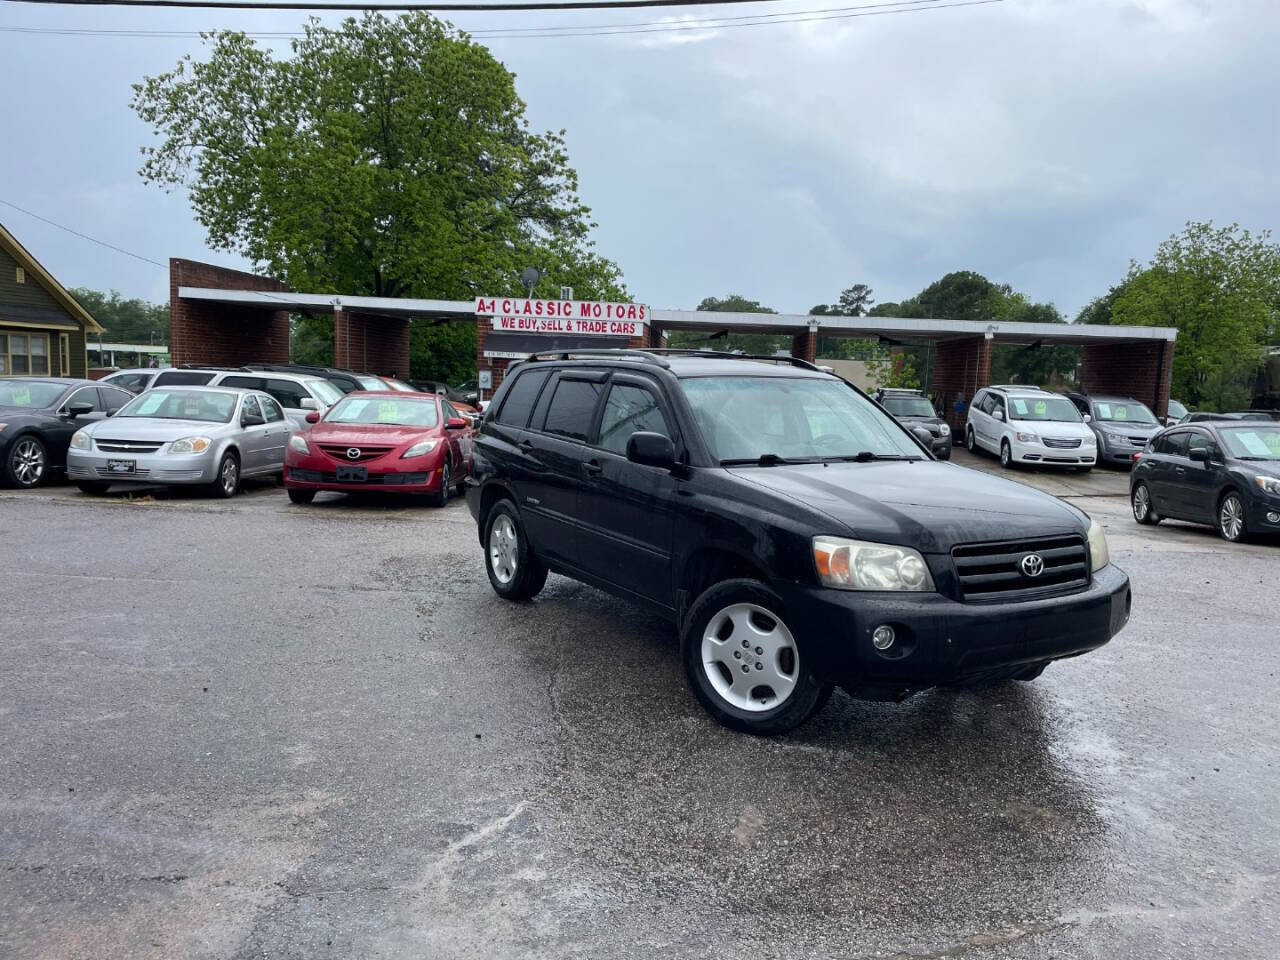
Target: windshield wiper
{"x":866,"y":456}
{"x":764,"y":460}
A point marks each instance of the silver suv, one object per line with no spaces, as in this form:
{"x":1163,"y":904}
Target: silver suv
{"x":298,"y":393}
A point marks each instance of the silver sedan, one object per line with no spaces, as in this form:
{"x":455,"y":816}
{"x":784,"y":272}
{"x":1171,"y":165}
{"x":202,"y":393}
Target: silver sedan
{"x":209,"y":436}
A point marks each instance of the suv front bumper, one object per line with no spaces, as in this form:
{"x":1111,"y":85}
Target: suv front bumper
{"x":943,"y":641}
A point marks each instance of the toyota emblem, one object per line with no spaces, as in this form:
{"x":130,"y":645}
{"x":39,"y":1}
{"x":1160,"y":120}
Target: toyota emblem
{"x":353,"y":453}
{"x":1032,"y":565}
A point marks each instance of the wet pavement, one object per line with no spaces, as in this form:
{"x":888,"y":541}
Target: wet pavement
{"x":252,"y":729}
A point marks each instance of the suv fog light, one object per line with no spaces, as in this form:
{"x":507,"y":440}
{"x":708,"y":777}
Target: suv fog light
{"x":1273,"y":517}
{"x":882,"y":637}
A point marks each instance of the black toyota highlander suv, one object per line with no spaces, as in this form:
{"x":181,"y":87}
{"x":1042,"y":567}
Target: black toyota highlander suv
{"x":797,"y":534}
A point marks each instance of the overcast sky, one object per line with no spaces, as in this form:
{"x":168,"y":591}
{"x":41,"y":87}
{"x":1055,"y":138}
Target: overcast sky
{"x":1043,"y":143}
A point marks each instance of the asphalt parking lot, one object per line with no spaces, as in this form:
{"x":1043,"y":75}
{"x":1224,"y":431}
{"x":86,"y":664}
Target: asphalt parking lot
{"x":251,"y":729}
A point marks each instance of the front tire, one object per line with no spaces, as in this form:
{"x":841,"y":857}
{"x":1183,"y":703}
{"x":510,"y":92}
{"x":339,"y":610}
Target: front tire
{"x":1231,"y":519}
{"x":441,"y":498}
{"x":300,"y":496}
{"x":970,"y":441}
{"x":743,"y":663}
{"x":227,"y":482}
{"x":514,"y":572}
{"x":1006,"y":455}
{"x":27,"y":462}
{"x":1144,"y":510}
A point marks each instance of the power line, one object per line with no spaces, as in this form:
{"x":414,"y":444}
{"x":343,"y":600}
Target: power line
{"x":496,"y":6}
{"x":84,"y":236}
{"x":569,"y":30}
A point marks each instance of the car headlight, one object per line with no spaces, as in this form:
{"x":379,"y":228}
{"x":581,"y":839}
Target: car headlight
{"x":1090,"y":441}
{"x":940,"y":429}
{"x":1026,"y":437}
{"x":1099,"y":556}
{"x":80,"y":441}
{"x":1269,"y":484}
{"x":857,"y":565}
{"x":3,"y":425}
{"x":190,"y":445}
{"x":419,"y":448}
{"x":298,"y":444}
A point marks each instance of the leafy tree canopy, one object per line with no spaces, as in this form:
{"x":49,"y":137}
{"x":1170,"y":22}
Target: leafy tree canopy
{"x":1220,"y":286}
{"x":385,"y":157}
{"x":760,"y":343}
{"x":127,"y":321}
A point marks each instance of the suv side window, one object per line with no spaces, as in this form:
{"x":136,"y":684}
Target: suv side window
{"x":571,"y":409}
{"x":997,"y":403}
{"x":628,"y":410}
{"x":248,"y":383}
{"x":271,"y":410}
{"x":182,"y":378}
{"x":521,"y":395}
{"x":288,"y":393}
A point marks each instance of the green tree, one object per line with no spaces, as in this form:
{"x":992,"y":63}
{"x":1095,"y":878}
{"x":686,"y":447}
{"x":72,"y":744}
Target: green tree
{"x":1030,"y":363}
{"x":127,"y":321}
{"x":385,"y":157}
{"x":1220,"y":286}
{"x":1099,"y":309}
{"x":759,"y":343}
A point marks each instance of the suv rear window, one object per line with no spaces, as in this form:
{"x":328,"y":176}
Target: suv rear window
{"x":186,"y":378}
{"x":571,"y":408}
{"x":520,"y":396}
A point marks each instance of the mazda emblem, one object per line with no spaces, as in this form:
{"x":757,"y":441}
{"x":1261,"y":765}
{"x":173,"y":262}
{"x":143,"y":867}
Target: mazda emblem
{"x":1032,"y":565}
{"x":353,"y":453}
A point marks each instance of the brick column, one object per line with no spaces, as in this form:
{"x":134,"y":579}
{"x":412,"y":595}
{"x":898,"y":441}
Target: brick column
{"x":1139,"y":370}
{"x":221,"y":334}
{"x":655,"y":337}
{"x":960,"y":369}
{"x":804,"y":345}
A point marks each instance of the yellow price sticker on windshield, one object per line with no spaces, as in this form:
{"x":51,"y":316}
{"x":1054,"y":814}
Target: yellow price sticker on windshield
{"x":387,"y":411}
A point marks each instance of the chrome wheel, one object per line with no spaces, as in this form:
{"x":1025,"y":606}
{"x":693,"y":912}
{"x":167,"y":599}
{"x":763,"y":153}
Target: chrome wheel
{"x":969,"y":442}
{"x":503,"y":545}
{"x":1231,"y":517}
{"x":27,"y":462}
{"x":229,"y":476}
{"x":1006,"y":455}
{"x":1141,"y":503}
{"x":750,"y":658}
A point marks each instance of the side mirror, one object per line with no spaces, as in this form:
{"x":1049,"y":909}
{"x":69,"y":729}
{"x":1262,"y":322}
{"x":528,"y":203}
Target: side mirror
{"x":251,"y":420}
{"x":924,"y":435}
{"x":455,"y":423}
{"x":998,"y":414}
{"x":308,"y":404}
{"x":1088,"y":419}
{"x":79,"y":409}
{"x":1199,"y":455}
{"x":313,"y":416}
{"x":651,"y":449}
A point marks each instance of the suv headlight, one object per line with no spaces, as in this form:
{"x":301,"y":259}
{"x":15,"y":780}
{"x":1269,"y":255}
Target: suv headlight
{"x":80,"y":441}
{"x":298,"y":444}
{"x":1269,"y":484}
{"x":857,"y":565}
{"x":1099,"y":556}
{"x":190,"y":445}
{"x":419,"y":448}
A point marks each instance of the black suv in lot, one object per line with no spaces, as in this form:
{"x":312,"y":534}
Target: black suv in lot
{"x":797,"y":534}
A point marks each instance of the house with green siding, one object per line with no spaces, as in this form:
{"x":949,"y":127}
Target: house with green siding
{"x":43,"y":329}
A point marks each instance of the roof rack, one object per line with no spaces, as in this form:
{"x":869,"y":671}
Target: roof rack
{"x":728,"y":355}
{"x":617,"y":353}
{"x":1019,"y":386}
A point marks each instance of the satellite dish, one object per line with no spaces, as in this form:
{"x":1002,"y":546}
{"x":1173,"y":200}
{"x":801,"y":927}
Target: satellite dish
{"x":529,"y":277}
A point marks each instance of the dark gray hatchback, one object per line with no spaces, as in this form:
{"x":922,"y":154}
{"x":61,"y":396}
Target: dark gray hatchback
{"x":797,"y":534}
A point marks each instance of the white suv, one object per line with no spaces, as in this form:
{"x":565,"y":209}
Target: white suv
{"x":1028,"y":425}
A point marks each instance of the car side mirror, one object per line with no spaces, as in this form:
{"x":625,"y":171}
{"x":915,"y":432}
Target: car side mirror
{"x":79,"y":409}
{"x":313,"y":416}
{"x":306,"y":403}
{"x":924,"y":435}
{"x":1199,"y":455}
{"x":455,"y":423}
{"x":251,"y":420}
{"x":651,"y":450}
{"x":1088,"y":419}
{"x":997,"y":413}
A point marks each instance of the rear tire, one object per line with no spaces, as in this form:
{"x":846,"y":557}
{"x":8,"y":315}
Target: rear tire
{"x":27,"y":463}
{"x":93,"y":488}
{"x":721,"y":668}
{"x":298,"y":495}
{"x":1144,"y":510}
{"x":514,"y":572}
{"x":1031,"y":672}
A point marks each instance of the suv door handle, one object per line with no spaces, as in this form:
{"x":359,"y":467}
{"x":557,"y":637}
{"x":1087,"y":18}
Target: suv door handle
{"x":525,"y":446}
{"x":592,"y":467}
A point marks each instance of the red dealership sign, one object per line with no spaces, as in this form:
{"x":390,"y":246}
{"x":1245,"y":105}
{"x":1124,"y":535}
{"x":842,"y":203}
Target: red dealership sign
{"x":582,"y":317}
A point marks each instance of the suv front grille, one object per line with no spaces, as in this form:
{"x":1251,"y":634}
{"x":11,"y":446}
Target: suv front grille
{"x":1139,"y":441}
{"x":338,"y":451}
{"x":992,"y":572}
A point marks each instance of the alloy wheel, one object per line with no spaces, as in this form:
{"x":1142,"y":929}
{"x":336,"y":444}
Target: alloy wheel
{"x":750,"y":658}
{"x":28,"y":462}
{"x":503,"y":547}
{"x":229,"y":476}
{"x":1231,"y":517}
{"x":1141,"y":502}
{"x":1006,"y":455}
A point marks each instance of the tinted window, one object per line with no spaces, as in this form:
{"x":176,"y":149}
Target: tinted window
{"x":627,"y":411}
{"x":520,"y":396}
{"x":571,"y":408}
{"x":249,"y":383}
{"x":114,"y":399}
{"x":87,"y":395}
{"x":288,"y":393}
{"x":1199,"y":441}
{"x":271,"y":410}
{"x":130,"y":381}
{"x":193,"y":378}
{"x":1175,"y":445}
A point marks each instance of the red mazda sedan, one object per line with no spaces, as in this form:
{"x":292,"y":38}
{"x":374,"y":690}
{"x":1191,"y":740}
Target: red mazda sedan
{"x":380,"y":440}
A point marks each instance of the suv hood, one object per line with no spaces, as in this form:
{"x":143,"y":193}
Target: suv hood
{"x":922,"y":504}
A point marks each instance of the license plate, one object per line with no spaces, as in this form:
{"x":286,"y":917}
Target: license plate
{"x":122,"y":466}
{"x":353,"y":474}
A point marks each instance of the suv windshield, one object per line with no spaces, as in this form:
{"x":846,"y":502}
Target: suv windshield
{"x":168,"y":404}
{"x":1252,"y":442}
{"x":1055,"y":409}
{"x":326,"y":391}
{"x":404,"y":411}
{"x":1123,"y":411}
{"x":29,"y":393}
{"x":747,"y":419}
{"x":908,"y":406}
